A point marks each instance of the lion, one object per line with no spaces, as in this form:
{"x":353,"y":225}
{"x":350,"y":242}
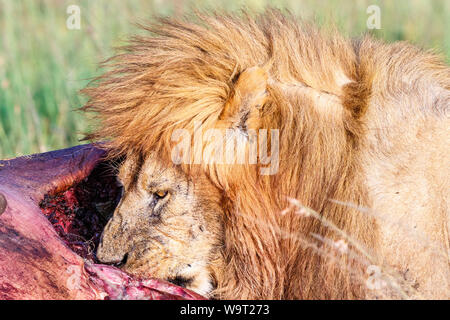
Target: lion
{"x":351,"y":203}
{"x":148,"y":234}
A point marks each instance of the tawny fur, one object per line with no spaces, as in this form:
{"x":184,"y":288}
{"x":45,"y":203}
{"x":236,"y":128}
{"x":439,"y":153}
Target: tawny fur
{"x":344,"y":109}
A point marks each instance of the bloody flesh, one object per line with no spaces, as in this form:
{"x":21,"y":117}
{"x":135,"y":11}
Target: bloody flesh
{"x":80,"y":213}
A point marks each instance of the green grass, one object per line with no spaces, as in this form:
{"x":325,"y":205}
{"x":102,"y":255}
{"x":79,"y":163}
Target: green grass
{"x":43,"y":65}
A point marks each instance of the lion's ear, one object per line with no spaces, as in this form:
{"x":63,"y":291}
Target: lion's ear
{"x":248,"y":97}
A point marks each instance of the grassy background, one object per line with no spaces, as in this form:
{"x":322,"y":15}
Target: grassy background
{"x":43,"y":65}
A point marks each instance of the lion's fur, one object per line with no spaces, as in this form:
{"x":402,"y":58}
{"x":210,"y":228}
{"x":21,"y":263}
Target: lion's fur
{"x":327,"y":95}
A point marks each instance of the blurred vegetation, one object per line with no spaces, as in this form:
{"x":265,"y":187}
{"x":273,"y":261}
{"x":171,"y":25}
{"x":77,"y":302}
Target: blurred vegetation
{"x":43,"y":64}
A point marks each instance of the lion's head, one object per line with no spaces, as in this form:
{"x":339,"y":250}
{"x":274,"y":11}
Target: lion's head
{"x":234,"y":120}
{"x":166,"y":225}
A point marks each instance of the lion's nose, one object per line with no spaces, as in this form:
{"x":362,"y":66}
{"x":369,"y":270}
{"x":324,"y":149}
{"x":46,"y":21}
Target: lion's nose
{"x":109,"y":255}
{"x":122,"y":262}
{"x":112,"y":249}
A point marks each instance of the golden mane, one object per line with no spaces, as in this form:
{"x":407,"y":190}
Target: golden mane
{"x":318,"y":94}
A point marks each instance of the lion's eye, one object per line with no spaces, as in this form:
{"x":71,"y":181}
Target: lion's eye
{"x":160,"y":194}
